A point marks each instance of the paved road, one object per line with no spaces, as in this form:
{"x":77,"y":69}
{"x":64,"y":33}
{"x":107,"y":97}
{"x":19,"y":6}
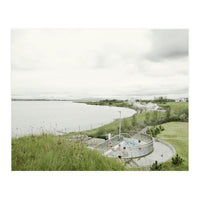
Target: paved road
{"x":161,"y":153}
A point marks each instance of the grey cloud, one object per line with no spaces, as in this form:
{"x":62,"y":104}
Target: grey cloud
{"x":88,"y":63}
{"x":168,"y":44}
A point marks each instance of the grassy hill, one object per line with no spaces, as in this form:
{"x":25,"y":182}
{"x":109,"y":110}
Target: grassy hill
{"x":143,"y":119}
{"x":54,"y":153}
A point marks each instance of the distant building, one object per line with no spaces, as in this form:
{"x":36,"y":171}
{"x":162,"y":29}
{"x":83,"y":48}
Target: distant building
{"x":131,"y":101}
{"x":181,"y":100}
{"x":144,"y":106}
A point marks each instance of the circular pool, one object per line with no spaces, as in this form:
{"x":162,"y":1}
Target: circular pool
{"x":127,"y":147}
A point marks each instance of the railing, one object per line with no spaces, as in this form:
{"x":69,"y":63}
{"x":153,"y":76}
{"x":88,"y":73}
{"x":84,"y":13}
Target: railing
{"x":104,"y":146}
{"x":143,"y":137}
{"x":141,"y":149}
{"x":136,"y":151}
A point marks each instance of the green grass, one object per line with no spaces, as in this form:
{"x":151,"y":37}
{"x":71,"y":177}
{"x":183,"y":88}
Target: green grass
{"x":54,"y":153}
{"x":113,"y":127}
{"x":175,"y":106}
{"x":126,"y":125}
{"x":176,"y":133}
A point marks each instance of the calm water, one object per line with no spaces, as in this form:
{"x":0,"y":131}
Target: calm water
{"x":34,"y":117}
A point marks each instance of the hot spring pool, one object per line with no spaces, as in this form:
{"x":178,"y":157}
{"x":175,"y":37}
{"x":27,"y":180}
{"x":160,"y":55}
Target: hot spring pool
{"x":126,"y":148}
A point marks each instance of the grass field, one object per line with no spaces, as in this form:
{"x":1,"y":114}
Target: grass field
{"x":176,"y":133}
{"x":175,"y":106}
{"x":54,"y":153}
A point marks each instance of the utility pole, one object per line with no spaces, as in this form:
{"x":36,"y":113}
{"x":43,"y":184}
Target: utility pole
{"x":120,"y":124}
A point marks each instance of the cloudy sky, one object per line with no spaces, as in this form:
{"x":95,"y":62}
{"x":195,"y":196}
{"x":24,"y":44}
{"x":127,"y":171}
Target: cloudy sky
{"x":99,"y":63}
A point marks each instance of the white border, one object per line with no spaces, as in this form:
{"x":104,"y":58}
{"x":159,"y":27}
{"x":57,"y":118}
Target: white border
{"x":99,"y":14}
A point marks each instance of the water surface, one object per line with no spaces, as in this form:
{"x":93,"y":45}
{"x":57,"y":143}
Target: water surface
{"x":35,"y":117}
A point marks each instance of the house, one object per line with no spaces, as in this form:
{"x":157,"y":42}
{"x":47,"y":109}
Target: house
{"x":181,"y":100}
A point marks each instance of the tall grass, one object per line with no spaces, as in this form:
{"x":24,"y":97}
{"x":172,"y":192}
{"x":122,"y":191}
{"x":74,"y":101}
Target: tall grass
{"x":54,"y":153}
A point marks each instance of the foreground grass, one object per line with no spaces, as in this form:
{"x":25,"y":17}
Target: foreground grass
{"x":49,"y":152}
{"x":54,"y":153}
{"x":176,"y":133}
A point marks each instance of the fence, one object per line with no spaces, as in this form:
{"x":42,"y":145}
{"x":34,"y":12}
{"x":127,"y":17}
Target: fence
{"x":104,"y":146}
{"x":140,"y":149}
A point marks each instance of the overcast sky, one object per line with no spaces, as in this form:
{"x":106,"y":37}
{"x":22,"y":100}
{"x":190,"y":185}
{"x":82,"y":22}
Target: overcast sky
{"x":99,"y":63}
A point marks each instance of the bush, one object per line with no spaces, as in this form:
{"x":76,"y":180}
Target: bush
{"x":177,"y":160}
{"x":100,"y":131}
{"x":156,"y":167}
{"x":102,"y":137}
{"x":183,"y":115}
{"x":155,"y":131}
{"x":161,"y":128}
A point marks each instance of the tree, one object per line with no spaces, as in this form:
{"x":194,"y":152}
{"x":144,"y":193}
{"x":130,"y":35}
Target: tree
{"x":156,"y":166}
{"x":177,"y":160}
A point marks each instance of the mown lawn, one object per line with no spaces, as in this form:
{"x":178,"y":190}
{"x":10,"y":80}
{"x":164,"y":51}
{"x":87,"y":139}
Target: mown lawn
{"x":175,"y":106}
{"x":54,"y":153}
{"x":176,"y":133}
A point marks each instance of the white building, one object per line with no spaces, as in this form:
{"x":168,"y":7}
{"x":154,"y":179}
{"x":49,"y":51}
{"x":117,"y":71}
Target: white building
{"x":181,"y":100}
{"x":145,"y":106}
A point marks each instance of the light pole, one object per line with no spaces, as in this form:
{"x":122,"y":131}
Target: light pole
{"x":119,"y":123}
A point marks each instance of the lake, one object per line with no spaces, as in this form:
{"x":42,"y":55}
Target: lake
{"x":35,"y":117}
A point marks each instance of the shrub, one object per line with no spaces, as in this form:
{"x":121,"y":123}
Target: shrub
{"x":183,"y":117}
{"x":100,"y":131}
{"x":161,"y":128}
{"x":102,"y":137}
{"x":156,"y":167}
{"x":177,"y":160}
{"x":174,"y":117}
{"x":155,"y":131}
